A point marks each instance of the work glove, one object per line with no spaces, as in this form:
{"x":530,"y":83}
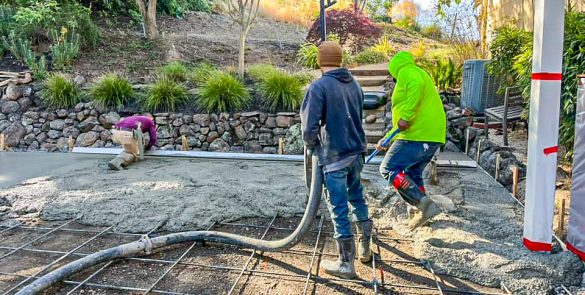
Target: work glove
{"x":403,"y":125}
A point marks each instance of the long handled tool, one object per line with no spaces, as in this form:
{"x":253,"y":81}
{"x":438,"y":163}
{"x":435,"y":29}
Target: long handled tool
{"x":385,"y":143}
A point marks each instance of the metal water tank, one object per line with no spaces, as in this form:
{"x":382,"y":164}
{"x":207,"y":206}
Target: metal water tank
{"x":480,"y":89}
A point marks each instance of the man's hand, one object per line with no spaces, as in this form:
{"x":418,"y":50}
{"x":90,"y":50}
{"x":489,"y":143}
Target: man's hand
{"x":402,"y":125}
{"x":379,"y":146}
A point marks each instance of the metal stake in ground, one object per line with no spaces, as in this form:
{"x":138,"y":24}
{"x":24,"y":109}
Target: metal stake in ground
{"x":467,"y":141}
{"x":478,"y":150}
{"x":498,"y":160}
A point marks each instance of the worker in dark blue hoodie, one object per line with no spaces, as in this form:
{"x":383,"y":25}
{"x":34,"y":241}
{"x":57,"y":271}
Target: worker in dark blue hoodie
{"x":331,"y":117}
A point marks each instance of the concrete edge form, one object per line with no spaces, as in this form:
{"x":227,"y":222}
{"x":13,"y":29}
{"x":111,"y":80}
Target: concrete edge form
{"x":205,"y":155}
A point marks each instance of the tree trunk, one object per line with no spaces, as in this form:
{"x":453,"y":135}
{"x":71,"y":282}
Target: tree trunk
{"x":242,"y":52}
{"x":483,"y":18}
{"x":148,"y":18}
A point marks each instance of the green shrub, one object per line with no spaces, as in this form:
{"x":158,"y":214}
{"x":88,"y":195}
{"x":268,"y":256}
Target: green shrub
{"x":522,"y":68}
{"x":573,"y":65}
{"x":384,"y":46}
{"x":507,"y":44}
{"x":177,"y":8}
{"x":348,"y":59}
{"x":78,"y":18}
{"x":445,"y":74}
{"x":111,"y":90}
{"x":165,"y":95}
{"x":304,"y":77}
{"x":59,"y":91}
{"x":517,"y":59}
{"x":281,"y":90}
{"x":201,"y":73}
{"x":260,"y":72}
{"x":407,"y":23}
{"x":18,"y":47}
{"x":35,"y":21}
{"x":175,"y":71}
{"x":370,"y":56}
{"x":307,"y":55}
{"x":6,"y":14}
{"x":419,"y":51}
{"x":65,"y":49}
{"x":432,"y":31}
{"x":38,"y":67}
{"x":22,"y":51}
{"x":223,"y":92}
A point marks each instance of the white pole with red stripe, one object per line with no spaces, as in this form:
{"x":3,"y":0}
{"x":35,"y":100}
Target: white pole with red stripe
{"x":544,"y":124}
{"x":576,"y":234}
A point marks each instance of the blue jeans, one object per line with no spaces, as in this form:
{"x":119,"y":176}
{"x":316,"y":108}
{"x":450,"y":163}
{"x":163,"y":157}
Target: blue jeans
{"x":409,"y":156}
{"x":344,"y":186}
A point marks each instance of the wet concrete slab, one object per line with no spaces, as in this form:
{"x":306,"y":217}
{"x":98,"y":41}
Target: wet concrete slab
{"x":16,"y":167}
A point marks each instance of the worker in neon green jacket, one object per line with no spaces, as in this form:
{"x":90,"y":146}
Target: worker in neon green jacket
{"x":417,"y":110}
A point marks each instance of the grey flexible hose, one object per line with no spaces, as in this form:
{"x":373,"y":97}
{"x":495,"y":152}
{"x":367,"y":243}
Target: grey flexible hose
{"x":147,"y":244}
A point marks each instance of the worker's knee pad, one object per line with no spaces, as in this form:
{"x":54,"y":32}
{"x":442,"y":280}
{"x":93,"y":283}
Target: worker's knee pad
{"x":407,"y":189}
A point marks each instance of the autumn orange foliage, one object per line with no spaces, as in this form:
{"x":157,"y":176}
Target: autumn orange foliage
{"x":405,"y":10}
{"x":300,"y":12}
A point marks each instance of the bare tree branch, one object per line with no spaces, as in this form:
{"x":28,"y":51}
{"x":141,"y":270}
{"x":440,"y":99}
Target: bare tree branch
{"x":244,"y":13}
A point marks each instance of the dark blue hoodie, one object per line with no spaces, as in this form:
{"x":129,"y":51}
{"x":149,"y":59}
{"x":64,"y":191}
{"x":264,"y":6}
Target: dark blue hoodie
{"x":331,"y":117}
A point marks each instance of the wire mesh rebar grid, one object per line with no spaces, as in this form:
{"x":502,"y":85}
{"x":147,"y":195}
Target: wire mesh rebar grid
{"x":74,"y":240}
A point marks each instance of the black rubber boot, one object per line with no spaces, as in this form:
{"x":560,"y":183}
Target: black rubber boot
{"x":413,"y":195}
{"x":342,"y":267}
{"x":428,"y":210}
{"x":364,"y":231}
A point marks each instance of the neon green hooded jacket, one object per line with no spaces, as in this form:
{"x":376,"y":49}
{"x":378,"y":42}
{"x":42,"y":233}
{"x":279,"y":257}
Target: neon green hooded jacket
{"x":416,"y":100}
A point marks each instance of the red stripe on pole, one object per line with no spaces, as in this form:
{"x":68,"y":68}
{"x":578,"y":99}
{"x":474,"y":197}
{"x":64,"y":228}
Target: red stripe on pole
{"x":551,"y":150}
{"x":577,"y":252}
{"x":547,"y":76}
{"x":537,"y":246}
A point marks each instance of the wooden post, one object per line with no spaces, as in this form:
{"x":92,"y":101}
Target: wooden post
{"x":281,"y":146}
{"x":185,"y":143}
{"x":498,"y":160}
{"x":467,"y":141}
{"x":561,"y":219}
{"x":515,"y":177}
{"x":434,"y":177}
{"x":478,"y":150}
{"x":2,"y":142}
{"x":70,"y":143}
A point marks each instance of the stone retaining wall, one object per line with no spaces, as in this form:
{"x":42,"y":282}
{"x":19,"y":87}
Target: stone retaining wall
{"x":29,"y":126}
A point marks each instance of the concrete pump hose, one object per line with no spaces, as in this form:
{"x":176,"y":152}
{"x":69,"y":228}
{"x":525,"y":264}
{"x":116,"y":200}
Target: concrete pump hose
{"x":144,"y":245}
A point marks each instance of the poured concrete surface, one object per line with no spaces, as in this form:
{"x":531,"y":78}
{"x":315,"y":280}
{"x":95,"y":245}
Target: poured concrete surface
{"x":17,"y":167}
{"x":478,"y":238}
{"x":169,"y":194}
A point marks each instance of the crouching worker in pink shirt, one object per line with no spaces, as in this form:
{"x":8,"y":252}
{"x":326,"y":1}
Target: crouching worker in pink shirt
{"x":129,"y":133}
